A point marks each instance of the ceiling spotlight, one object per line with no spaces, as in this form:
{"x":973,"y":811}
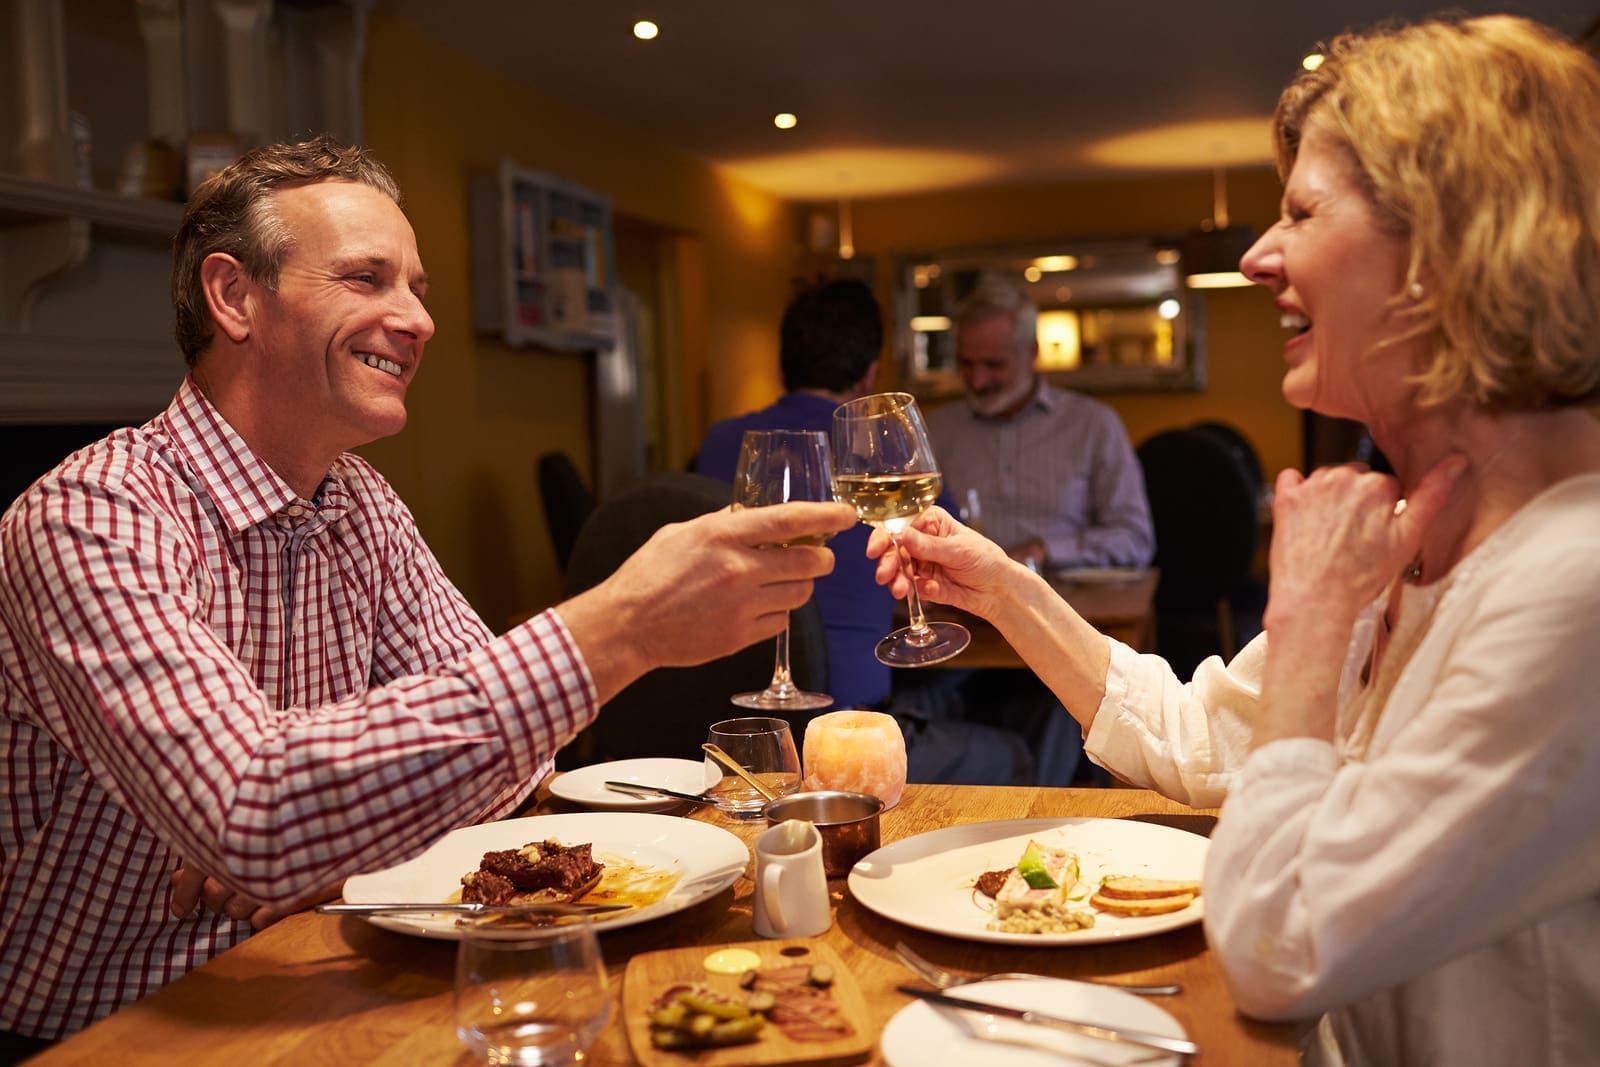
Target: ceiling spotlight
{"x":1055,"y":264}
{"x":784,"y":121}
{"x":645,"y":30}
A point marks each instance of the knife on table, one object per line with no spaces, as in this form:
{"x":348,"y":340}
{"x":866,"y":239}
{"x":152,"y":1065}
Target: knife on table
{"x":455,"y":909}
{"x":1071,"y":1026}
{"x":648,"y":791}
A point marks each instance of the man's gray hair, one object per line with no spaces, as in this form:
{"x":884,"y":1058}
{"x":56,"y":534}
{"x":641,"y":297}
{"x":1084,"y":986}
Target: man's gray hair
{"x":996,"y":295}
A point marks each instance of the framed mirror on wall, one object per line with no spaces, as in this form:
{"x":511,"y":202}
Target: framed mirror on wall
{"x":1113,"y":315}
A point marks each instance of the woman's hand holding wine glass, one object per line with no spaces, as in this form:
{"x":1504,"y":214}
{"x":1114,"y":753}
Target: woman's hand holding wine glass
{"x":954,"y":564}
{"x":883,"y":466}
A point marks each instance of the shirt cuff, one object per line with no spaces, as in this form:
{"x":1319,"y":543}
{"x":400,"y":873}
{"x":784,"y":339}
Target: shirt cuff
{"x":539,"y":689}
{"x":1119,"y":673}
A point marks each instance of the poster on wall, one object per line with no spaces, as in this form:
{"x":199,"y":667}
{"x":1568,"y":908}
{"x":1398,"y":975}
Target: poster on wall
{"x":542,"y":260}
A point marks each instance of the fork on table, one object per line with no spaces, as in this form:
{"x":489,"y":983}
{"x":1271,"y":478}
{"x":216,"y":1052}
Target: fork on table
{"x":943,"y":979}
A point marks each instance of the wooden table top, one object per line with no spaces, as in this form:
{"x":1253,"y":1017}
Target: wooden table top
{"x":317,"y":989}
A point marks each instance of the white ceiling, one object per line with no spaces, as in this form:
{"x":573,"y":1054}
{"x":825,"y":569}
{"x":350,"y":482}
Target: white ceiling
{"x":896,"y":96}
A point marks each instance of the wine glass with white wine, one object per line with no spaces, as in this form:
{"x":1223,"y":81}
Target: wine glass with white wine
{"x":775,"y":467}
{"x":883,"y":466}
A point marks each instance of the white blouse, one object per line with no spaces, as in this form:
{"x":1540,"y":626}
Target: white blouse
{"x":1435,"y":887}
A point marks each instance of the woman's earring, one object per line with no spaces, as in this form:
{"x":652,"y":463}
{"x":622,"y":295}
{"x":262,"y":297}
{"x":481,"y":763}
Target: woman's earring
{"x":1416,"y":291}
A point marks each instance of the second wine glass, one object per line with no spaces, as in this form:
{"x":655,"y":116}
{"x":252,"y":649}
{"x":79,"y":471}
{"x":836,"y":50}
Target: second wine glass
{"x":883,"y":466}
{"x":775,"y":467}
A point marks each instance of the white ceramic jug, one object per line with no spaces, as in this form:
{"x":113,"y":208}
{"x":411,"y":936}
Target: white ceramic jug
{"x":791,"y":888}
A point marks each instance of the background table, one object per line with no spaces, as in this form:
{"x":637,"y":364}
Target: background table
{"x":1122,"y":609}
{"x":315,"y":989}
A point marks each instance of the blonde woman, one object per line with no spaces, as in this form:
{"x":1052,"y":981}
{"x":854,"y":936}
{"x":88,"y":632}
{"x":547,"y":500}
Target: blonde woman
{"x":1409,"y":759}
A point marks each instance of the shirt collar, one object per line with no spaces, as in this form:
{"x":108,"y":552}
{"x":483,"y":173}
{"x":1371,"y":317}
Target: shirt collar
{"x":243,"y":487}
{"x":798,"y":401}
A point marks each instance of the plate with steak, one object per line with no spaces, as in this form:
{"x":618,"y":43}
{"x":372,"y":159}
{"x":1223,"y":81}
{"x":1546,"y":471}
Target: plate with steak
{"x":647,"y":865}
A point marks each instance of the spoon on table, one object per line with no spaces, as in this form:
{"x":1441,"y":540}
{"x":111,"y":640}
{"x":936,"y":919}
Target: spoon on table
{"x":716,"y":753}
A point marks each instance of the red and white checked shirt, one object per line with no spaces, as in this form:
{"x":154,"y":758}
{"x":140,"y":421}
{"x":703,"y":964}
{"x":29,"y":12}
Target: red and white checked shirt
{"x":196,"y":663}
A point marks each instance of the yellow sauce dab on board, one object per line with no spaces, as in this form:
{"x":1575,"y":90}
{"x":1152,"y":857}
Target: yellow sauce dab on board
{"x":732,"y":961}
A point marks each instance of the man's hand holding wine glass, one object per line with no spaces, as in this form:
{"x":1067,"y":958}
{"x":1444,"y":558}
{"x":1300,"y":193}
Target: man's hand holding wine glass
{"x":702,"y":589}
{"x":776,"y":467}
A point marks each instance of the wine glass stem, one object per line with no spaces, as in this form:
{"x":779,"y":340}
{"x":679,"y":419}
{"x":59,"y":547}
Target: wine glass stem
{"x":919,"y":632}
{"x":782,"y":681}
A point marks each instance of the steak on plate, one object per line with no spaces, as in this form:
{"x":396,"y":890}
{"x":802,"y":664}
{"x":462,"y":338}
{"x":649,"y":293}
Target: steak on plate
{"x":540,"y":872}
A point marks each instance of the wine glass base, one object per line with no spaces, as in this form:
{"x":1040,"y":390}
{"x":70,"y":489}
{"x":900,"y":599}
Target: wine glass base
{"x":906,"y":648}
{"x":782,"y":700}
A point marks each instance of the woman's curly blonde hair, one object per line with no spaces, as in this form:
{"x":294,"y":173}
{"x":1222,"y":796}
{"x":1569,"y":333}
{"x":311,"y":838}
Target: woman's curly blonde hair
{"x":1479,"y":140}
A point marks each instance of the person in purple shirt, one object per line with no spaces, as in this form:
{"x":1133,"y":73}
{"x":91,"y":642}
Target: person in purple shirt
{"x":829,"y":344}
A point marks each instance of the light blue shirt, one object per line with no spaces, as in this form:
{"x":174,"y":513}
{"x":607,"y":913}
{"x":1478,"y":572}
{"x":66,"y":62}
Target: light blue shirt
{"x":1061,"y":470}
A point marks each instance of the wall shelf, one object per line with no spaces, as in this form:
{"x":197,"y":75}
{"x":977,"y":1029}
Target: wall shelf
{"x":542,"y":260}
{"x":131,"y":218}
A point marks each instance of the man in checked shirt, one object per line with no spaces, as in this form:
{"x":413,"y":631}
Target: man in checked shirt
{"x":225,"y":648}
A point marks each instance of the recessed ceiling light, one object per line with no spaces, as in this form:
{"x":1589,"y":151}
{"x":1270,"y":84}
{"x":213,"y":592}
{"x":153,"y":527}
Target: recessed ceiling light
{"x":1053,"y":264}
{"x":784,"y":121}
{"x":645,"y":30}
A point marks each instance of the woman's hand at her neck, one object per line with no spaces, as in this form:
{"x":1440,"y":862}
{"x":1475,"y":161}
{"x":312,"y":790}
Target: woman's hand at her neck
{"x":1339,"y":539}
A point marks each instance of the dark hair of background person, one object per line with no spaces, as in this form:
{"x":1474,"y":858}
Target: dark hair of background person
{"x":232,"y":211}
{"x":831,"y":334}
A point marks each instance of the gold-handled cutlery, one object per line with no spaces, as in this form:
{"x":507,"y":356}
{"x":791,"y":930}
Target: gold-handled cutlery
{"x":716,"y":753}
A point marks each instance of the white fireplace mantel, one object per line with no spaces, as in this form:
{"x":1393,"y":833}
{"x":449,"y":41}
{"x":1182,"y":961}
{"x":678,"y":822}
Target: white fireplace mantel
{"x":85,"y":302}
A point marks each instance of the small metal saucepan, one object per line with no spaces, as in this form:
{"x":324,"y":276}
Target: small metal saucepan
{"x":848,"y":823}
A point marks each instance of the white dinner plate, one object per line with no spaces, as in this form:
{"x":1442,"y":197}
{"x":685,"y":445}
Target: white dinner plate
{"x":1098,"y":575}
{"x":707,"y":859}
{"x":587,"y":785}
{"x":927,"y":881}
{"x":927,"y":1035}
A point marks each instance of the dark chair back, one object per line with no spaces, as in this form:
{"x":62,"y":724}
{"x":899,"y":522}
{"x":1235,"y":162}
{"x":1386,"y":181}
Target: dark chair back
{"x":1202,"y":495}
{"x":667,"y":711}
{"x":567,"y":502}
{"x":1237,"y":443}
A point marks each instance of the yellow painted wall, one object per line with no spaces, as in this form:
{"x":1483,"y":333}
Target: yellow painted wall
{"x":482,"y":412}
{"x":1244,"y":340}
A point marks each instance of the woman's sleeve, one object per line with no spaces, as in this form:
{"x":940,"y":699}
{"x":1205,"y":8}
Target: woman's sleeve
{"x":1326,"y":883}
{"x":1186,"y":741}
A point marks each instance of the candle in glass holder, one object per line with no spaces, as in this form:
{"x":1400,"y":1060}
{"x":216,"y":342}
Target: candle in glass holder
{"x":858,"y":752}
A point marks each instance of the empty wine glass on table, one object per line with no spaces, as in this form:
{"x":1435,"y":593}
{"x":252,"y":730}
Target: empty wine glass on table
{"x":775,"y":467}
{"x":883,"y":466}
{"x":529,"y":994}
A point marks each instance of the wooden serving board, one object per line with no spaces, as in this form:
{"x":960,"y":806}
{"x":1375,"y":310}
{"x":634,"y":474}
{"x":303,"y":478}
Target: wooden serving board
{"x":651,"y":973}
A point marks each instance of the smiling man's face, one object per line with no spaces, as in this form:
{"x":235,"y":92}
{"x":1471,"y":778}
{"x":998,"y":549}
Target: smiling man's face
{"x":345,"y":330}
